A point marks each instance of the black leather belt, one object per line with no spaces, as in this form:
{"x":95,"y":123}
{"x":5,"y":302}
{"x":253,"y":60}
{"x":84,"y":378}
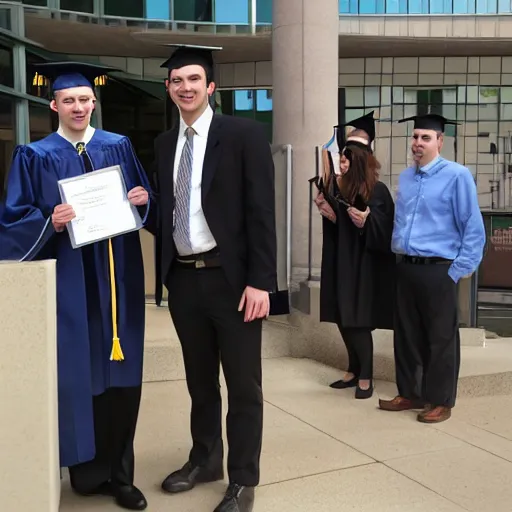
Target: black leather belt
{"x":209,"y":259}
{"x":420,"y":260}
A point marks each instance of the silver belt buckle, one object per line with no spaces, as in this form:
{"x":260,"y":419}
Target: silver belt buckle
{"x":200,"y":264}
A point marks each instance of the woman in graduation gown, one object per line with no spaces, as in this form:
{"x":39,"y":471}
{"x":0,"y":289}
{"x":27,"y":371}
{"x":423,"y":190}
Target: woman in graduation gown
{"x":357,"y":280}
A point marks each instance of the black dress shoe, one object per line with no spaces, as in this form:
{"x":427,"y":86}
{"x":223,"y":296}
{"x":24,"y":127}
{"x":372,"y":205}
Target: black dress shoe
{"x":344,"y":384}
{"x":237,"y":499}
{"x":361,"y":394}
{"x":188,"y":476}
{"x":129,"y":497}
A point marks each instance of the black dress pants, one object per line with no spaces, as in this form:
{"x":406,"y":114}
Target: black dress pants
{"x":359,"y":343}
{"x":115,"y":419}
{"x":204,"y":309}
{"x":426,"y":337}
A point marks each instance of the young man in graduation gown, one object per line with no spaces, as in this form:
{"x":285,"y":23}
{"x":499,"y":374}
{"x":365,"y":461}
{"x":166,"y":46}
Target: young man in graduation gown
{"x":100,"y":324}
{"x":216,"y":200}
{"x":439,"y":233}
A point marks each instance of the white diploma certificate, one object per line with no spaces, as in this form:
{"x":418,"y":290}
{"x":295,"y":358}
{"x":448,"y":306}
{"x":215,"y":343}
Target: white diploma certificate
{"x":101,"y":206}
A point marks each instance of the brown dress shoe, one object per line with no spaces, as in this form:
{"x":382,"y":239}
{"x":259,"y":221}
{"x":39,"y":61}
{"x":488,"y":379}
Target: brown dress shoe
{"x":435,"y":414}
{"x":399,"y":403}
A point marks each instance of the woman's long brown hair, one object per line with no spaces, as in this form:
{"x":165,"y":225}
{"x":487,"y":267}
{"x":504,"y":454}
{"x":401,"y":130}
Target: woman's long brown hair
{"x":362,"y":175}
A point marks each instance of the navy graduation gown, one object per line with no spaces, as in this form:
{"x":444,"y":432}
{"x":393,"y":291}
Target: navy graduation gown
{"x":84,"y":317}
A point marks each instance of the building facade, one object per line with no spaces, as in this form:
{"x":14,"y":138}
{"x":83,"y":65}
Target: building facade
{"x":299,"y":67}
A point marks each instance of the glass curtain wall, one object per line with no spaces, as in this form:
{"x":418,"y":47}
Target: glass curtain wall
{"x":425,"y":6}
{"x":237,"y":12}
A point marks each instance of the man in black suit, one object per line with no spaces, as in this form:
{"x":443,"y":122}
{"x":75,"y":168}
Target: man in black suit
{"x":217,"y":226}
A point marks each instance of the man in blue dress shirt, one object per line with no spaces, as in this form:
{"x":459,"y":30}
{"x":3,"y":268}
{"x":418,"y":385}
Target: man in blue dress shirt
{"x":439,"y":233}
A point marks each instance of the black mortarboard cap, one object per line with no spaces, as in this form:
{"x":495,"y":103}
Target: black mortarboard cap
{"x":189,"y":54}
{"x":65,"y":75}
{"x":434,"y":122}
{"x":366,"y":123}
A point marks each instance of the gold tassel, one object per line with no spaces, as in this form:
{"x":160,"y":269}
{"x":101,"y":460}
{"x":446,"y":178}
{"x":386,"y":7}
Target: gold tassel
{"x":117,"y":352}
{"x":100,"y":80}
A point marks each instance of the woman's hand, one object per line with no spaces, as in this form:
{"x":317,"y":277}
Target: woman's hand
{"x":325,"y":208}
{"x":358,"y":217}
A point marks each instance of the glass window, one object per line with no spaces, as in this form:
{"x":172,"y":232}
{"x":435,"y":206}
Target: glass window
{"x":126,"y":8}
{"x":42,"y":121}
{"x":504,"y":6}
{"x":244,"y":102}
{"x":264,"y":11}
{"x":263,"y":112}
{"x":344,"y":7}
{"x":225,"y":102}
{"x":6,"y":67}
{"x":488,"y":112}
{"x":227,"y":11}
{"x":489,"y":94}
{"x":506,"y":95}
{"x":264,"y":100}
{"x":506,"y":112}
{"x":354,"y":96}
{"x":37,"y":3}
{"x":486,"y":6}
{"x":418,"y":7}
{"x":193,"y":10}
{"x":5,"y":18}
{"x":385,"y":95}
{"x":158,"y":9}
{"x":398,"y":94}
{"x":7,"y":136}
{"x":78,"y":5}
{"x":472,"y":94}
{"x":367,"y":6}
{"x":371,"y":97}
{"x":354,"y":6}
{"x":410,"y":96}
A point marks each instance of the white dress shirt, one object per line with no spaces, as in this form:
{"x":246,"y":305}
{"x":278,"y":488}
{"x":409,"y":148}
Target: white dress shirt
{"x":89,"y":132}
{"x":201,"y":237}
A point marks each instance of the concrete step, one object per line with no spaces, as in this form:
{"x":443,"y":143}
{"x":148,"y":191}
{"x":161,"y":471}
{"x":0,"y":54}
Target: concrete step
{"x":486,"y":364}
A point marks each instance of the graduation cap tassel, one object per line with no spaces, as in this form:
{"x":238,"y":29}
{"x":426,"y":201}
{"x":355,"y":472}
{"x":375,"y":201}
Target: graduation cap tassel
{"x":117,"y":352}
{"x":101,"y":80}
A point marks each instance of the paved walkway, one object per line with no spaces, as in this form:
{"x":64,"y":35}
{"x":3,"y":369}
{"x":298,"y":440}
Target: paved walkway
{"x":323,"y":451}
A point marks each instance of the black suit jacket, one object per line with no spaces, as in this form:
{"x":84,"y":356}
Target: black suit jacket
{"x":238,"y":201}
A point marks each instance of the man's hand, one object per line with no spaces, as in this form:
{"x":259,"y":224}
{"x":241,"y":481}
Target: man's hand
{"x":325,"y":208}
{"x":138,"y":196}
{"x":256,"y":302}
{"x":62,"y":214}
{"x":358,"y":217}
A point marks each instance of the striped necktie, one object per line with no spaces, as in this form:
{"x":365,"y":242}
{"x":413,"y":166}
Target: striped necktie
{"x":183,"y":189}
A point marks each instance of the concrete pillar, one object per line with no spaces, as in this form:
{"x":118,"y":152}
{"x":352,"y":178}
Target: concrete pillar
{"x":29,"y":464}
{"x":305,"y":39}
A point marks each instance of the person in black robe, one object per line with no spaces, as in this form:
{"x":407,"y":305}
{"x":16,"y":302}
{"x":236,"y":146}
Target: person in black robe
{"x":357,"y":279}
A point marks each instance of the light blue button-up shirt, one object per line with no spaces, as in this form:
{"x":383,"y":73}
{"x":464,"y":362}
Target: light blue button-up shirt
{"x":437,"y":215}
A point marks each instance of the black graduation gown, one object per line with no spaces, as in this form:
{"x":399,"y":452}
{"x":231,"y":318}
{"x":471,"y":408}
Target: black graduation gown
{"x":358,"y":266}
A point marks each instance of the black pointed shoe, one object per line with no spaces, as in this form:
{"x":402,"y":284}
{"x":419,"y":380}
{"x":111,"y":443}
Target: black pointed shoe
{"x":344,"y":384}
{"x":188,"y":476}
{"x":238,"y":498}
{"x":129,"y":497}
{"x":361,"y":394}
